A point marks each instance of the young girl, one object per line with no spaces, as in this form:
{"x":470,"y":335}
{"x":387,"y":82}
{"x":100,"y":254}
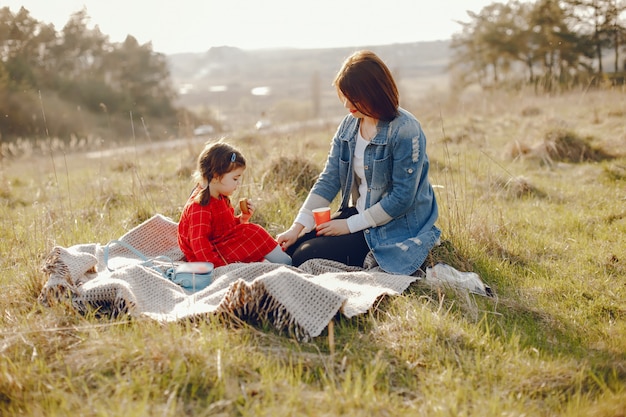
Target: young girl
{"x":208,"y":229}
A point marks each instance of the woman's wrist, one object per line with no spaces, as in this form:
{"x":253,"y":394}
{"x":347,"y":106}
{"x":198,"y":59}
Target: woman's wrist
{"x":297,"y":227}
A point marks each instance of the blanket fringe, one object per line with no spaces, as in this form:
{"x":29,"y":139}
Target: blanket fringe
{"x":63,"y":288}
{"x":59,"y":288}
{"x":252,"y":303}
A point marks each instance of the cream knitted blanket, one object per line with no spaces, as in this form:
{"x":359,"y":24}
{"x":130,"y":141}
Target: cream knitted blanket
{"x":301,"y":301}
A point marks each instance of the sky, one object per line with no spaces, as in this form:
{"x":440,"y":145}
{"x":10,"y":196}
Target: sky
{"x":175,"y":26}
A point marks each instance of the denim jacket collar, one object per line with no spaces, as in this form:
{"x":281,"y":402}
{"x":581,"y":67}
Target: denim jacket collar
{"x":381,"y":137}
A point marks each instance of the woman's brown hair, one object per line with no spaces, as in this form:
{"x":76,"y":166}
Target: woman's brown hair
{"x":215,"y":160}
{"x":367,"y":83}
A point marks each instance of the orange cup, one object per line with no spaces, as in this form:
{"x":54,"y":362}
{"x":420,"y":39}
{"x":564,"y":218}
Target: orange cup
{"x":321,"y":215}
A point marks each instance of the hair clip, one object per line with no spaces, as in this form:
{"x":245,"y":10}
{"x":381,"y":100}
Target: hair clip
{"x":233,"y":157}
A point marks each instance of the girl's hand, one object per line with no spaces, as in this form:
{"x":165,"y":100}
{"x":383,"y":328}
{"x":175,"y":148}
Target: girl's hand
{"x":333,"y":228}
{"x":247,"y":210}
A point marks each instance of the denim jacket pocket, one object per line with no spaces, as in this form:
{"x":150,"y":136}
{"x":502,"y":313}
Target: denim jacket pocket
{"x":381,"y":173}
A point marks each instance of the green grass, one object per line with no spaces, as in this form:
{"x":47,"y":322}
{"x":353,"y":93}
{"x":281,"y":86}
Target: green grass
{"x":547,"y":236}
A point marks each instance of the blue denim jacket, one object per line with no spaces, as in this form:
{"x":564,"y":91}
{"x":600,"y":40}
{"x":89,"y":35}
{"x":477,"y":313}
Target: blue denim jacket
{"x":399,"y":196}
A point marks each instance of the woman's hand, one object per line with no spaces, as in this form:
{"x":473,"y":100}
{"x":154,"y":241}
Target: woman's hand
{"x":288,"y":237}
{"x":333,"y":228}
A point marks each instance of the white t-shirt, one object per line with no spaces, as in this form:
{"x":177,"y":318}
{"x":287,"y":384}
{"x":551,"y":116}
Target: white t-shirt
{"x":359,"y":170}
{"x":360,"y":221}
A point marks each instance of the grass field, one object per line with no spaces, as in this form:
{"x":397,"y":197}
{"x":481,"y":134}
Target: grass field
{"x":532,"y":195}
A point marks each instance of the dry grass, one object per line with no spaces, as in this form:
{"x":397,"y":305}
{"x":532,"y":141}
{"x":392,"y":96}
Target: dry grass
{"x":560,"y":146}
{"x":547,"y":238}
{"x":295,"y":173}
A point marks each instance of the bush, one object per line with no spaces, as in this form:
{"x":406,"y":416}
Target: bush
{"x":294,"y":173}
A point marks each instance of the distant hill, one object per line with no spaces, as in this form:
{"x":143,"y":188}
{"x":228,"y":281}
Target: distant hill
{"x":223,"y":78}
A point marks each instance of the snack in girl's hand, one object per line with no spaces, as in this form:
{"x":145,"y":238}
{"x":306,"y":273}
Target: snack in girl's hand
{"x":243,"y":206}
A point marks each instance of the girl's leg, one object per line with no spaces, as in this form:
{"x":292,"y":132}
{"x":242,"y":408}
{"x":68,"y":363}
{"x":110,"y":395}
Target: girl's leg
{"x":277,"y":256}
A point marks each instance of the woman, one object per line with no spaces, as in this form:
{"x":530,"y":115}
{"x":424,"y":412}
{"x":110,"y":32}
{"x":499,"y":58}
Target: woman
{"x":378,"y":162}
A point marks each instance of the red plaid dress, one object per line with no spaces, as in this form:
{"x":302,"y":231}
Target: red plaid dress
{"x":212,"y":233}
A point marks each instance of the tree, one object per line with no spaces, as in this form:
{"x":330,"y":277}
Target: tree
{"x":616,"y":28}
{"x":601,"y":21}
{"x":503,"y":38}
{"x":81,"y":50}
{"x":79,"y":69}
{"x":142,"y":75}
{"x":494,"y":41}
{"x":24,"y":47}
{"x":559,"y":49}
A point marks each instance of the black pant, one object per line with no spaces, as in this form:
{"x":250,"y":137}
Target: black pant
{"x":350,"y":249}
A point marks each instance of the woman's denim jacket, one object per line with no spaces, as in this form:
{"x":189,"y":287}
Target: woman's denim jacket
{"x":400,"y":198}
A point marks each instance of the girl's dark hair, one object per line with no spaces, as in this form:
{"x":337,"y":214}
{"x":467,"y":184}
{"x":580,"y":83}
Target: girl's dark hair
{"x":367,"y":83}
{"x":215,"y":160}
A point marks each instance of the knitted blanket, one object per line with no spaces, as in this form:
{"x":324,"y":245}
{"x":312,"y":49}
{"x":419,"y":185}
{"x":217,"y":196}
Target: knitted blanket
{"x":301,"y":301}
